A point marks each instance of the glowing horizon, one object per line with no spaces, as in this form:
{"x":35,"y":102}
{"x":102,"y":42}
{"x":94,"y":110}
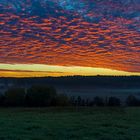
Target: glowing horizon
{"x":40,"y":70}
{"x":63,"y":37}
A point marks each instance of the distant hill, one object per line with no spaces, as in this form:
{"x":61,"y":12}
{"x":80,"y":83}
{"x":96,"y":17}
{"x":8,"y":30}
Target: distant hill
{"x":94,"y":81}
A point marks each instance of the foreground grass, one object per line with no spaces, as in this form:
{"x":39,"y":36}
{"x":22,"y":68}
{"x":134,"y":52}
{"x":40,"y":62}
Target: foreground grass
{"x":69,"y":124}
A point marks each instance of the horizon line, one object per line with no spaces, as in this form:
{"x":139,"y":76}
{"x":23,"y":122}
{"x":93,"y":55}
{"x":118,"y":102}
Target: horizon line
{"x":41,"y":70}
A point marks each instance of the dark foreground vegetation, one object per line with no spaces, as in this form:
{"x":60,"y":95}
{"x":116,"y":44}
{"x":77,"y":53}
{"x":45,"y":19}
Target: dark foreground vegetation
{"x":38,"y":112}
{"x":44,"y":96}
{"x":70,"y":123}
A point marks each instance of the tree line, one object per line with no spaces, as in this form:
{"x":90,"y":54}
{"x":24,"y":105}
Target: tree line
{"x":94,"y":81}
{"x":42,"y":96}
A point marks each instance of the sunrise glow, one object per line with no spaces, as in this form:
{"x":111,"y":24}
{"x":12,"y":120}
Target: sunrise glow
{"x":62,"y":37}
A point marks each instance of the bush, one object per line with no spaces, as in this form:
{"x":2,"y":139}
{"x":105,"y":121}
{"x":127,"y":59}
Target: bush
{"x":132,"y":101}
{"x":114,"y":101}
{"x":2,"y":99}
{"x":98,"y":101}
{"x":62,"y":100}
{"x":14,"y":97}
{"x":40,"y":95}
{"x":83,"y":102}
{"x":79,"y":101}
{"x":72,"y":101}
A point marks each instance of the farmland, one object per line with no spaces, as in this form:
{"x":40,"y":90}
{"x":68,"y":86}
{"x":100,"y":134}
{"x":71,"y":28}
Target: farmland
{"x":71,"y":123}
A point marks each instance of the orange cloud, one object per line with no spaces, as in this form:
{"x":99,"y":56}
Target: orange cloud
{"x":76,"y":42}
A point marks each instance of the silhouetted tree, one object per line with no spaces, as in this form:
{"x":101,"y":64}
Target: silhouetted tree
{"x":114,"y":101}
{"x":2,"y":99}
{"x":98,"y":101}
{"x":79,"y":101}
{"x":132,"y":101}
{"x":72,"y":101}
{"x":106,"y":101}
{"x":87,"y":102}
{"x":62,"y":100}
{"x":40,"y":95}
{"x":83,"y":102}
{"x":91,"y":102}
{"x":14,"y":97}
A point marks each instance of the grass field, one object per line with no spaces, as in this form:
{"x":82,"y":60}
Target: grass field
{"x":70,"y":123}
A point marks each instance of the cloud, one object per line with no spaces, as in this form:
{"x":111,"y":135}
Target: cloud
{"x":111,"y":42}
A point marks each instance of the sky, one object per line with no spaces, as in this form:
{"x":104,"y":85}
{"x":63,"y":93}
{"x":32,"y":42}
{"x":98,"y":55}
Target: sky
{"x":69,"y":37}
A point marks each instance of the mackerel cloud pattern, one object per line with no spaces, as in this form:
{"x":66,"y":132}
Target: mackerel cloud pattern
{"x":94,"y":33}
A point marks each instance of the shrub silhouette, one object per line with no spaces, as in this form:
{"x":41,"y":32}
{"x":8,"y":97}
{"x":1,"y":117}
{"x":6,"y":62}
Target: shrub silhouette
{"x":62,"y":100}
{"x":132,"y":101}
{"x":114,"y":101}
{"x":40,"y":95}
{"x":72,"y":101}
{"x":2,"y":99}
{"x":79,"y":101}
{"x":98,"y":101}
{"x":14,"y":97}
{"x":83,"y":102}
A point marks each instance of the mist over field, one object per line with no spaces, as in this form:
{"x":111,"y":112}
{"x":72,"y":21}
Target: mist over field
{"x":86,"y":87}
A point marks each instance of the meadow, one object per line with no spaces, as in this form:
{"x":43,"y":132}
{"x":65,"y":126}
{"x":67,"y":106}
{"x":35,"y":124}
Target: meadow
{"x":71,"y":123}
